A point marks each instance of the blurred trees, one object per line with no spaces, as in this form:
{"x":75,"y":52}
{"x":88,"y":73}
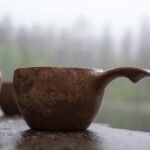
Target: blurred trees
{"x":126,"y":48}
{"x":22,"y":43}
{"x":144,"y":45}
{"x":76,"y":46}
{"x":106,"y":55}
{"x":6,"y":29}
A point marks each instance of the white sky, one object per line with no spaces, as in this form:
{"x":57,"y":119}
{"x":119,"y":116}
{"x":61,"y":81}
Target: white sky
{"x":120,"y":14}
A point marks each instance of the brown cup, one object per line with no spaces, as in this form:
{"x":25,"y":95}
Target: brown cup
{"x":0,"y":80}
{"x":7,"y":99}
{"x":64,"y":99}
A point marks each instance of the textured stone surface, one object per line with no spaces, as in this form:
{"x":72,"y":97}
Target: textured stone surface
{"x":7,"y":99}
{"x":15,"y":135}
{"x":52,"y":98}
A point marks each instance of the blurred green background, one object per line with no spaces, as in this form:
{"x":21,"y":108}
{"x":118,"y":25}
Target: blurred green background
{"x":125,"y":105}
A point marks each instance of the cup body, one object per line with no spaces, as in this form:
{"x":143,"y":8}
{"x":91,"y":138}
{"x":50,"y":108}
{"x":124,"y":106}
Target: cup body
{"x":59,"y":99}
{"x":7,"y":99}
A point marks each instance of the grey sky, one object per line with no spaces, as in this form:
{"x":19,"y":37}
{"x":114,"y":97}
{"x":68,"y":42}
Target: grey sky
{"x":120,"y":14}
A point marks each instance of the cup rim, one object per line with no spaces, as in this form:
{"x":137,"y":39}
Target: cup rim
{"x":60,"y":68}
